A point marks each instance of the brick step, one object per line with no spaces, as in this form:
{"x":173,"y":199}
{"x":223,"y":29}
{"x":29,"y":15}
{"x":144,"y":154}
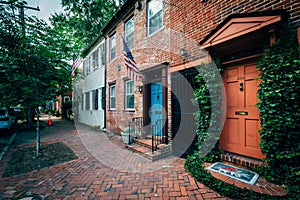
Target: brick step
{"x":148,"y":143}
{"x":242,"y":160}
{"x":147,"y":152}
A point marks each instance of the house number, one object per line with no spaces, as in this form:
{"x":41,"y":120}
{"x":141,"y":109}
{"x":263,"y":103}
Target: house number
{"x":241,"y":77}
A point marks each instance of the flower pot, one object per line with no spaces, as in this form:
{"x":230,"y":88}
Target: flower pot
{"x":125,"y":137}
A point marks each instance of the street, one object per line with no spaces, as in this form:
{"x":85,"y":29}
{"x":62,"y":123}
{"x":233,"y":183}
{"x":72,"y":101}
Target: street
{"x":91,"y":177}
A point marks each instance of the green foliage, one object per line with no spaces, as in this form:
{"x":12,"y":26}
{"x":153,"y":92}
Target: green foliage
{"x":195,"y":166}
{"x":83,"y":20}
{"x":209,"y":115}
{"x":32,"y":67}
{"x":279,"y":107}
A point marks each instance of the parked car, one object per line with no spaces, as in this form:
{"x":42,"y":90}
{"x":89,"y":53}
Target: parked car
{"x":6,"y":120}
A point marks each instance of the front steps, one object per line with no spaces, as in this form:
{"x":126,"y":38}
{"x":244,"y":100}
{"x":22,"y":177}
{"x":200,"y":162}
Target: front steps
{"x":144,"y":148}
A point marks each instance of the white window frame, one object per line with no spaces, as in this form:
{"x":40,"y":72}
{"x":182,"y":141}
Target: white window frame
{"x":112,"y":47}
{"x":102,"y":54}
{"x":129,"y":92}
{"x":112,"y":95}
{"x":100,"y":98}
{"x":156,"y":12}
{"x":129,"y":32}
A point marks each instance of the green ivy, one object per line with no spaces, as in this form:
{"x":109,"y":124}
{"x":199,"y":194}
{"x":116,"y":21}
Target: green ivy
{"x":206,"y":95}
{"x":194,"y":164}
{"x":279,"y":107}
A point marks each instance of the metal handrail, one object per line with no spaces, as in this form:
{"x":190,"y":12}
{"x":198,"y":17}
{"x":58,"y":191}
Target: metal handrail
{"x":136,"y":123}
{"x":157,"y":138}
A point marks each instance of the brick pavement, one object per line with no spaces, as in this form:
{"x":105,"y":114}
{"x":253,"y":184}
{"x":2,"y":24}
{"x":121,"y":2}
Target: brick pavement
{"x":91,"y":177}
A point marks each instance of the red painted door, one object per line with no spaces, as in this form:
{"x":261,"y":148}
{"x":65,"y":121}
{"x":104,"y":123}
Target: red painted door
{"x":240,"y":133}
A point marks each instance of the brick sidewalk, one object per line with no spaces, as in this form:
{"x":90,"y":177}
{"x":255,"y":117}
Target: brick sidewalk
{"x":88,"y":178}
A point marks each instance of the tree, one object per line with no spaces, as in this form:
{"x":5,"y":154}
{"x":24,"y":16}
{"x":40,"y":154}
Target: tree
{"x":33,"y":65}
{"x":83,"y":20}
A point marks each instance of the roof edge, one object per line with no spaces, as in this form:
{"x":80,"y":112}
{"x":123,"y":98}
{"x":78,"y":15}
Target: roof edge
{"x":283,"y":13}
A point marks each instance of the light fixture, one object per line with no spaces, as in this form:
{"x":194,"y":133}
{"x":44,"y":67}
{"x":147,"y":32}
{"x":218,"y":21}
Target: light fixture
{"x":139,"y":5}
{"x":183,"y":53}
{"x":140,"y":89}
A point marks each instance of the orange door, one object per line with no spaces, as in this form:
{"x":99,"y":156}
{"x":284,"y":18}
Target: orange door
{"x":240,"y":133}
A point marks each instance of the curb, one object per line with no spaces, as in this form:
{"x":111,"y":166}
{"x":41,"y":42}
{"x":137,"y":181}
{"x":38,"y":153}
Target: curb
{"x":4,"y":150}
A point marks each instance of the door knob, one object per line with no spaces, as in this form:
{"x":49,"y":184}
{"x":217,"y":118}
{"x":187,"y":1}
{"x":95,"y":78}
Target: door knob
{"x":241,"y":86}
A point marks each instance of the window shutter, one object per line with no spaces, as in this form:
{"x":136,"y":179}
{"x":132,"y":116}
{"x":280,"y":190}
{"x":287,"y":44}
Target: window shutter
{"x":96,"y":99}
{"x":103,"y":98}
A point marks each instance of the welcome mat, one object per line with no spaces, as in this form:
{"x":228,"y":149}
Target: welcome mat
{"x":240,"y":174}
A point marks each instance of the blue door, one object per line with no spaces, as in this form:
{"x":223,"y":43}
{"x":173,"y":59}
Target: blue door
{"x":156,"y":106}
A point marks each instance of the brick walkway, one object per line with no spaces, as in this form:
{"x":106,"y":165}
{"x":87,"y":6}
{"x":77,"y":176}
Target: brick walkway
{"x":92,"y":177}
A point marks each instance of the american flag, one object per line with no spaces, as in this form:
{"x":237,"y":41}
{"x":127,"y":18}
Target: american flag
{"x":75,"y":65}
{"x":133,"y":72}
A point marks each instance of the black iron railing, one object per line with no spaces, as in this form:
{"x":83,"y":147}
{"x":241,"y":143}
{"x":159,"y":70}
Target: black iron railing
{"x":135,"y":127}
{"x":157,"y":133}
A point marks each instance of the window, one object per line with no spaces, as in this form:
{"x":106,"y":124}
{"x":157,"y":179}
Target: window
{"x":85,"y":67}
{"x":112,"y":47}
{"x":102,"y":54}
{"x":112,"y":97}
{"x":95,"y":59}
{"x":129,"y":96}
{"x":154,"y":15}
{"x":129,"y":29}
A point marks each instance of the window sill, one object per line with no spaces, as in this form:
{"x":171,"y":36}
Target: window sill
{"x":129,"y":110}
{"x":112,"y":110}
{"x":152,"y":34}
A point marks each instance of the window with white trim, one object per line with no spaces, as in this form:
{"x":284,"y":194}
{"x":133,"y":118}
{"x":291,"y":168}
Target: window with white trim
{"x":129,"y":32}
{"x":102,"y":54}
{"x":112,"y":97}
{"x":112,"y":47}
{"x":154,"y":16}
{"x":129,"y":95}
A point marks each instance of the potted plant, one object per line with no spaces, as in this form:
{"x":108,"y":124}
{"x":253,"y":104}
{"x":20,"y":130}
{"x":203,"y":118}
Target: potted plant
{"x":127,"y":134}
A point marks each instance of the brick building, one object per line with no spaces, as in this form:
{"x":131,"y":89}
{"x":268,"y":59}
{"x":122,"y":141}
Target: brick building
{"x":169,"y":40}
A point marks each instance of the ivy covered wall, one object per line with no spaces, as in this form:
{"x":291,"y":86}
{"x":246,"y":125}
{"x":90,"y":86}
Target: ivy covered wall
{"x":279,"y":107}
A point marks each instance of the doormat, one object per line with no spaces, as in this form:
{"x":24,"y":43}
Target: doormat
{"x":237,"y":173}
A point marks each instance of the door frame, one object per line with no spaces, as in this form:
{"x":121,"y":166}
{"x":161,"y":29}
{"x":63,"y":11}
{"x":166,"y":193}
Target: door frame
{"x":152,"y":75}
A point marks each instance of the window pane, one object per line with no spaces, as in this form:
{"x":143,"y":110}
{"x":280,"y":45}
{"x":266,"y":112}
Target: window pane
{"x":129,"y":29}
{"x":154,"y":7}
{"x":112,"y":46}
{"x":154,"y":16}
{"x":155,"y":23}
{"x":130,"y":101}
{"x":112,"y":97}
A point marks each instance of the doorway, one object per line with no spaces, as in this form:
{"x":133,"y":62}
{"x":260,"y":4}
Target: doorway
{"x":240,"y":133}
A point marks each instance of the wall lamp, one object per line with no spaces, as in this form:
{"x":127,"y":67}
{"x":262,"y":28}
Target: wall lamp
{"x":183,"y":53}
{"x":140,"y":89}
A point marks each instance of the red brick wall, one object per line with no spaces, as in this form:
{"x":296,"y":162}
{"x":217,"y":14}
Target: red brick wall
{"x":202,"y":18}
{"x":189,"y":18}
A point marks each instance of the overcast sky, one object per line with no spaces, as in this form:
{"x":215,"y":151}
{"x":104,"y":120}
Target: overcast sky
{"x":47,"y":7}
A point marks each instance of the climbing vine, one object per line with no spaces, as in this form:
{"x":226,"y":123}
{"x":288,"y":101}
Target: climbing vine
{"x":279,"y":108}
